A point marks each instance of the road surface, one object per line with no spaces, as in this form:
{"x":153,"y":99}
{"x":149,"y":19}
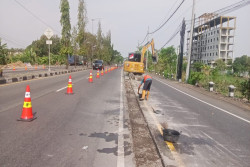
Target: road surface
{"x":83,"y":129}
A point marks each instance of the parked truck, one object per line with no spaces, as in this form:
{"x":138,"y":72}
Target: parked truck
{"x":75,"y":60}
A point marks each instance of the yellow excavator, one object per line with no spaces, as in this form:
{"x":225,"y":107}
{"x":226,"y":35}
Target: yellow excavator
{"x":136,"y":62}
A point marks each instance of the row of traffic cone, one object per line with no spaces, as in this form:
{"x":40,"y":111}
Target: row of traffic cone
{"x":98,"y":73}
{"x":26,"y":68}
{"x":27,"y":114}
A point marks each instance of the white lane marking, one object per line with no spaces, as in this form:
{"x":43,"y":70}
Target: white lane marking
{"x":61,"y":89}
{"x":243,"y":119}
{"x":220,"y":144}
{"x":120,"y":150}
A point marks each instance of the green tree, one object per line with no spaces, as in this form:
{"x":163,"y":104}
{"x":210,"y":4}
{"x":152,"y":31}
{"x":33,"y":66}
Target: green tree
{"x":220,"y":65}
{"x":167,"y":60}
{"x":82,"y":21}
{"x":41,"y":48}
{"x":241,"y":64}
{"x":99,"y":39}
{"x":3,"y":53}
{"x":107,"y":48}
{"x":66,"y":29}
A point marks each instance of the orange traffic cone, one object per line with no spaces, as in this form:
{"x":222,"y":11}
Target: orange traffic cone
{"x":98,"y":74}
{"x":27,"y":114}
{"x":69,"y":89}
{"x":106,"y":71}
{"x":90,"y":77}
{"x":25,"y":67}
{"x":102,"y":72}
{"x":109,"y":70}
{"x":14,"y":68}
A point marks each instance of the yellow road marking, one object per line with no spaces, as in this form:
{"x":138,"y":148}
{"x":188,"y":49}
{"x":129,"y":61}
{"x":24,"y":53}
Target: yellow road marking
{"x":169,"y":144}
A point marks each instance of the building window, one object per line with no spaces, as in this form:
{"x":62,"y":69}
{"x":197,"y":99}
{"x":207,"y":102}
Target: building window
{"x":211,"y":40}
{"x":210,"y":54}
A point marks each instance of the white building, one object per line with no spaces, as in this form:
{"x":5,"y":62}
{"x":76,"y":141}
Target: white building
{"x":213,"y":39}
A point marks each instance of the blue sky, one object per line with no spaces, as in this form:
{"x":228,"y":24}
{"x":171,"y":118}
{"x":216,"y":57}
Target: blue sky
{"x":128,"y":20}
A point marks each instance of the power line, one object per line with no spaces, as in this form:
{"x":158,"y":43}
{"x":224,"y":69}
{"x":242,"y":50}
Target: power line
{"x":163,"y":23}
{"x":172,"y":37}
{"x":38,"y":18}
{"x":167,"y":19}
{"x":11,"y":41}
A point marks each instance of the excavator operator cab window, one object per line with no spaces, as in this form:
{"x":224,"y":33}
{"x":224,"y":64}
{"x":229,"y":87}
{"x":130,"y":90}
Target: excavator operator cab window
{"x":135,"y":57}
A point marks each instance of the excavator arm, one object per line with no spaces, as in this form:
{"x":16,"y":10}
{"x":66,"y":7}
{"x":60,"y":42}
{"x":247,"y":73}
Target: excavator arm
{"x":144,"y":49}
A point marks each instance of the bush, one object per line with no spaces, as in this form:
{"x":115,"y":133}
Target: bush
{"x":245,"y":88}
{"x":196,"y":77}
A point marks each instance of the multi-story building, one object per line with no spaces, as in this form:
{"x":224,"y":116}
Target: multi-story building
{"x":213,"y":39}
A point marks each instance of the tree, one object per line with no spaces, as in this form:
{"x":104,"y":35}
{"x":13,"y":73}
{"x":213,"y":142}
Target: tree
{"x":220,"y":65}
{"x":241,"y":64}
{"x":82,"y":21}
{"x":107,"y":48}
{"x":41,"y":48}
{"x":167,"y":60}
{"x":66,"y":29}
{"x":3,"y":53}
{"x":99,"y":41}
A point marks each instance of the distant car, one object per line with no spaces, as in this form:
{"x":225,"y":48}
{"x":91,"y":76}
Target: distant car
{"x":98,"y":64}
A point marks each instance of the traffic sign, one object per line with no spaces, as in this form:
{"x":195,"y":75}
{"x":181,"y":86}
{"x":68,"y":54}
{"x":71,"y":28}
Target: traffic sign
{"x":48,"y":33}
{"x":49,"y":42}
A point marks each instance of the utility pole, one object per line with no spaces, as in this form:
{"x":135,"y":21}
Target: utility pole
{"x":180,"y":59}
{"x":190,"y":43}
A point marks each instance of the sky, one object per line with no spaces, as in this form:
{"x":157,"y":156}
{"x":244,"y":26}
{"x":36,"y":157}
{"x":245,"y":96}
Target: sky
{"x":128,"y":21}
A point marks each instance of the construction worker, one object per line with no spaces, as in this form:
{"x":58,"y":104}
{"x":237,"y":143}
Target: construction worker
{"x":147,"y":80}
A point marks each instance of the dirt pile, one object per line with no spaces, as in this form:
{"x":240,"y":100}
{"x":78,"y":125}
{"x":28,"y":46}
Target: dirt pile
{"x":16,"y":64}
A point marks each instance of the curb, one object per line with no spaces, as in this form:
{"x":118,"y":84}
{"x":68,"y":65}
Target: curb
{"x":37,"y":75}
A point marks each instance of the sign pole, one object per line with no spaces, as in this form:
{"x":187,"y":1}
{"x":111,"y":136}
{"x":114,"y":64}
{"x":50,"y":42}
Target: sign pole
{"x":49,"y":33}
{"x":49,"y":57}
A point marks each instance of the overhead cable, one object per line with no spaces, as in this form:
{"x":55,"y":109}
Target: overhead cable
{"x":167,"y":19}
{"x":163,"y":23}
{"x":172,"y":37}
{"x":38,"y":18}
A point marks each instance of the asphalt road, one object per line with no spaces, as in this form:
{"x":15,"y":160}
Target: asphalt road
{"x":213,"y":132}
{"x":82,"y":129}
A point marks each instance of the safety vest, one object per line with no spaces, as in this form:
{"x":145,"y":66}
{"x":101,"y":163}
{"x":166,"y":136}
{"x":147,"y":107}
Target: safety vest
{"x":146,"y":77}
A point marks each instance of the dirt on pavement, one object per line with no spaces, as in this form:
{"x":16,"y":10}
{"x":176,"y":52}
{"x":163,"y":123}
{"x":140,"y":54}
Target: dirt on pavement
{"x":146,"y":153}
